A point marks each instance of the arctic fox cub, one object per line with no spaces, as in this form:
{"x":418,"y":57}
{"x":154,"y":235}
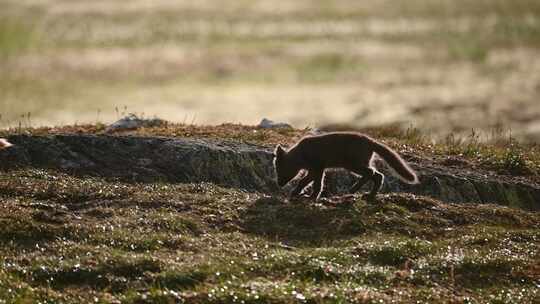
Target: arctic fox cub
{"x":349,"y":150}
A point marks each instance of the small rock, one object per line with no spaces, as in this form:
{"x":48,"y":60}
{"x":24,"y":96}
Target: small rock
{"x":269,"y":124}
{"x":316,"y":131}
{"x":133,"y":122}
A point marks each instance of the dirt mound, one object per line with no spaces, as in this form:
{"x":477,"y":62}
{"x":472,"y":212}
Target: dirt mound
{"x":238,"y":165}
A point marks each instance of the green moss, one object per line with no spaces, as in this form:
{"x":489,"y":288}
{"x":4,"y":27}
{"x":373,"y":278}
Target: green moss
{"x":176,"y":280}
{"x":395,"y":254}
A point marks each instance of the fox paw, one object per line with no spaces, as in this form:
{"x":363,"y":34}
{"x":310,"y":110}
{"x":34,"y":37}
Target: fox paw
{"x":369,"y":197}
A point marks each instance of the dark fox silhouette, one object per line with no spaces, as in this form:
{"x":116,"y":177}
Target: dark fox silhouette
{"x":349,"y":150}
{"x":4,"y":144}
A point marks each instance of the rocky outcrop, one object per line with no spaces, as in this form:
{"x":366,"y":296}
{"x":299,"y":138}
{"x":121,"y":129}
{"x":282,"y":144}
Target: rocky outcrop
{"x":145,"y":159}
{"x":455,"y":187}
{"x":233,"y":164}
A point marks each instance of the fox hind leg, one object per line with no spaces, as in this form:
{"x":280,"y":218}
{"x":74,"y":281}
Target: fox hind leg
{"x":367,"y":175}
{"x":378,"y":179}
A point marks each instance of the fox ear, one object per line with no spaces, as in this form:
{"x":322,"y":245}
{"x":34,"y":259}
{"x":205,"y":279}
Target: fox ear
{"x":279,"y":151}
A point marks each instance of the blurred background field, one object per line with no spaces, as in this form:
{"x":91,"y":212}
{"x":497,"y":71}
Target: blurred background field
{"x":441,"y":66}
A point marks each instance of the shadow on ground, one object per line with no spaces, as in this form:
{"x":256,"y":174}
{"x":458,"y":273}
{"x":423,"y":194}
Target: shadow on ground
{"x":310,"y":223}
{"x":303,"y":220}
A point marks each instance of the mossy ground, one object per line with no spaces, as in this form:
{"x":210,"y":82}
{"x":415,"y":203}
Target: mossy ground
{"x":82,"y":239}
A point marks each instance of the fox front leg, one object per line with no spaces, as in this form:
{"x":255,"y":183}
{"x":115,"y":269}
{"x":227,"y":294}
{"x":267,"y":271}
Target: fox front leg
{"x":318,"y":184}
{"x":301,"y":185}
{"x":367,"y":175}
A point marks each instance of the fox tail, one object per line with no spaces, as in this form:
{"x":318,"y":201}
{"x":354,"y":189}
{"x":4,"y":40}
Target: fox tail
{"x":4,"y":144}
{"x":395,"y":162}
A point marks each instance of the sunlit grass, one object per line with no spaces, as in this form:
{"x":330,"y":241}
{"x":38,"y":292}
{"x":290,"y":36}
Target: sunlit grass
{"x":77,"y":239}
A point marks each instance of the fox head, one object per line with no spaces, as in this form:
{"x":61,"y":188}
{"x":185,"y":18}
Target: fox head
{"x":285,"y":169}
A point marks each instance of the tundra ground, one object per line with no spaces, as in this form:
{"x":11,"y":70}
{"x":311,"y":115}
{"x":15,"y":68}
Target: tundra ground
{"x":68,"y":238}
